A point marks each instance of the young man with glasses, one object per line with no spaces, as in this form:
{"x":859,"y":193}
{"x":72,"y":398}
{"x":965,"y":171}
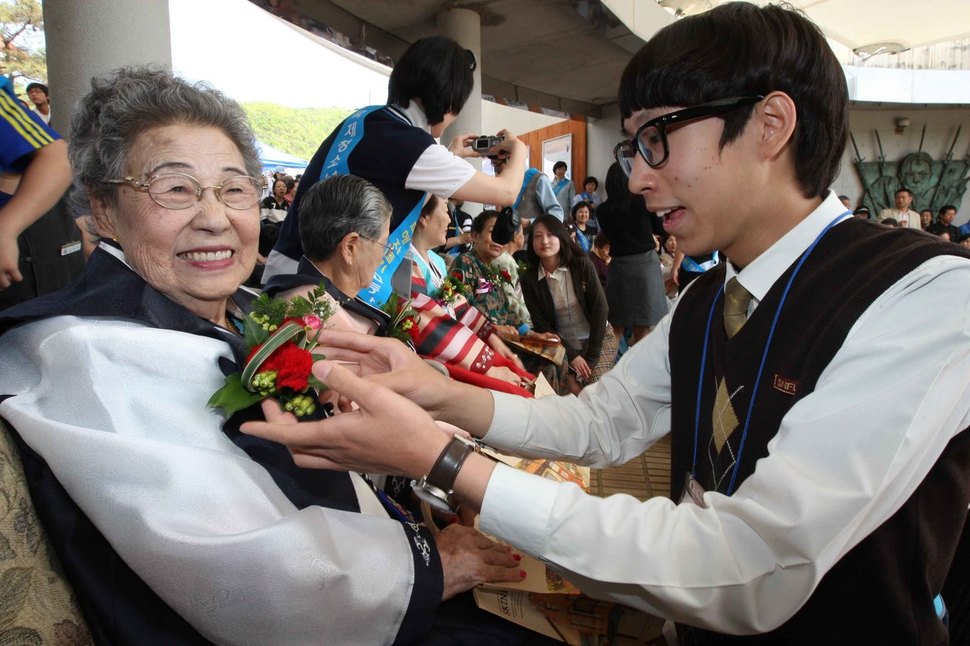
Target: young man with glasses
{"x":823,"y":489}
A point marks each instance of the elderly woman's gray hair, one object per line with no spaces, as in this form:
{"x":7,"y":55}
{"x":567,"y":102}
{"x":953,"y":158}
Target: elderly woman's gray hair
{"x":127,"y":102}
{"x":339,"y":205}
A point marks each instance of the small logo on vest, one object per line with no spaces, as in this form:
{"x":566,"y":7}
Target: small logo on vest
{"x":785,"y":385}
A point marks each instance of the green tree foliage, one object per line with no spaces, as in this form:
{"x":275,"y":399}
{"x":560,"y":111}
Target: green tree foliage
{"x":21,"y":23}
{"x":298,"y":131}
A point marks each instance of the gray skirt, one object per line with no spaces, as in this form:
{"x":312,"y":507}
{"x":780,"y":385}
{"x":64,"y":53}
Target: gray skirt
{"x":635,"y":290}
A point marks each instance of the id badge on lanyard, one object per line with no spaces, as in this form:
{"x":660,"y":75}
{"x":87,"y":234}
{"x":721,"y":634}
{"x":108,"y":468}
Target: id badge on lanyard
{"x":693,"y":491}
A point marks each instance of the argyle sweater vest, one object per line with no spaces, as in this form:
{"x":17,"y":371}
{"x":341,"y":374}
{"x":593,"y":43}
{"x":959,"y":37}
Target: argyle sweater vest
{"x":881,"y":591}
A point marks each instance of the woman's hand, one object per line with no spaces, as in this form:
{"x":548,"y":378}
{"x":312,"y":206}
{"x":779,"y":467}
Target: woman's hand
{"x":468,"y":559}
{"x":504,"y":374}
{"x":461,"y":145}
{"x":507,"y":330}
{"x":509,"y":144}
{"x":385,"y":434}
{"x":581,"y":368}
{"x":497,"y":344}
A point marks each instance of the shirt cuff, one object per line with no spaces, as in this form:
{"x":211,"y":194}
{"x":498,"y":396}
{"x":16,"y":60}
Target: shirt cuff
{"x":518,"y":504}
{"x":511,"y":416}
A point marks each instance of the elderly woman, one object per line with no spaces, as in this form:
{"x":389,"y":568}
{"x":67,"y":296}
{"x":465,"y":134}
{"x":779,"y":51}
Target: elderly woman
{"x":172,"y":526}
{"x":277,"y":199}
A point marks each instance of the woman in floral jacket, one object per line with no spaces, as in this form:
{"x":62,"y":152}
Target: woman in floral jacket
{"x":492,"y":287}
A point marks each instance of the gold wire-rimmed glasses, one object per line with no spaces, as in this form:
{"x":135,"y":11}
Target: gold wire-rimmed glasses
{"x":178,"y":191}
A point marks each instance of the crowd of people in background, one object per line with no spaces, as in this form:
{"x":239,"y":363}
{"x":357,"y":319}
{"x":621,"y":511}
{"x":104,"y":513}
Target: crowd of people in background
{"x":902,"y":215}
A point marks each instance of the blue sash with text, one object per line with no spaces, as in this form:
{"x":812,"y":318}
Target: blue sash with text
{"x":399,"y":241}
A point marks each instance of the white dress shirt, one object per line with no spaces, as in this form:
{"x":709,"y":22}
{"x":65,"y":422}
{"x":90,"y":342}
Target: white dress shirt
{"x":845,"y":458}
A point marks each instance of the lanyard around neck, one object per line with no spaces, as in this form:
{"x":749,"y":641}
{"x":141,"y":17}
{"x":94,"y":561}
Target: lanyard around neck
{"x":761,"y":367}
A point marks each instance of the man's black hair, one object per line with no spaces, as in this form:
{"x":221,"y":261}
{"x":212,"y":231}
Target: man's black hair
{"x":945,"y":208}
{"x":558,"y":165}
{"x":903,"y":189}
{"x":39,"y":86}
{"x":436,"y":70}
{"x":741,"y":49}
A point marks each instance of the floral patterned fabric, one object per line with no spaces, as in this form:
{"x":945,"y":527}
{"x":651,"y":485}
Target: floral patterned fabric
{"x":503,"y":304}
{"x":500,"y":301}
{"x":37,"y":605}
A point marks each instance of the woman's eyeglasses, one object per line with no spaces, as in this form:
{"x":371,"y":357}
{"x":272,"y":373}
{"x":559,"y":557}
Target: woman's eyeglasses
{"x":178,"y":191}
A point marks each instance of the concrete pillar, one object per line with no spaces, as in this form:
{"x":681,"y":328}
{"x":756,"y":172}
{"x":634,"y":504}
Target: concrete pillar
{"x":89,"y":38}
{"x":465,"y":27}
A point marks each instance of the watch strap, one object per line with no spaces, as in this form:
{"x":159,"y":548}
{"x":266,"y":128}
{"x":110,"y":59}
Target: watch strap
{"x":445,"y":470}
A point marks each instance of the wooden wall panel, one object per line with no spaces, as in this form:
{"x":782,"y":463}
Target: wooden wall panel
{"x":575,"y":127}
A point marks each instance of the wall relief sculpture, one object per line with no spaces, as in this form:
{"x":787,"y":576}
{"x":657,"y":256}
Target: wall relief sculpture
{"x":933,"y":182}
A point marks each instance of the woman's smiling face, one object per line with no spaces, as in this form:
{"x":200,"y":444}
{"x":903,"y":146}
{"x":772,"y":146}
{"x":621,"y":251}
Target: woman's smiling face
{"x":197,"y":256}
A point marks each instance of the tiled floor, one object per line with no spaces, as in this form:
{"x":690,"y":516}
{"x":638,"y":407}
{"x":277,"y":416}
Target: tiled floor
{"x":642,"y":478}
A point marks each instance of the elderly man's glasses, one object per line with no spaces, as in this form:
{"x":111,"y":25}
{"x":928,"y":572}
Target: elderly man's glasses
{"x":388,"y":249}
{"x":650,"y":139}
{"x":179,"y":191}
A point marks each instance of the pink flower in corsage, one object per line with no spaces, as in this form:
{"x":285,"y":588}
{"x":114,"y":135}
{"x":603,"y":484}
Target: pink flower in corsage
{"x":311,"y":321}
{"x":281,"y":337}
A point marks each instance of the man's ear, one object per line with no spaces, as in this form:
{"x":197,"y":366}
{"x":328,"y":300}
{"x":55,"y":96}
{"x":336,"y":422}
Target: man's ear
{"x":777,"y":117}
{"x":102,"y":222}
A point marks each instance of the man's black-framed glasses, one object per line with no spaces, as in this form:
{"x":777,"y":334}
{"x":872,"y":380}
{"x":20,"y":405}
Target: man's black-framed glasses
{"x":178,"y":191}
{"x":650,"y":139}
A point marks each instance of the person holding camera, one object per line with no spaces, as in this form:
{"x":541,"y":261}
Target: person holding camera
{"x":535,"y":196}
{"x":395,"y":147}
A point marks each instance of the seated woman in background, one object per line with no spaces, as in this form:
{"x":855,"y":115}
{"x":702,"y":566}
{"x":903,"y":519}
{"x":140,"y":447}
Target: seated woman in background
{"x":277,"y":198}
{"x":173,"y":527}
{"x":564,"y":296}
{"x":493,"y":288}
{"x":449,"y":328}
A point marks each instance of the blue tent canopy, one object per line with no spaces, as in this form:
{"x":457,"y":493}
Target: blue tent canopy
{"x":271,"y":157}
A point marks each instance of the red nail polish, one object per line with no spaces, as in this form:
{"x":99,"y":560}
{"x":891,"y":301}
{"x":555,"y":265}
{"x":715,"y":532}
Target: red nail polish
{"x":517,"y":557}
{"x":522,"y":574}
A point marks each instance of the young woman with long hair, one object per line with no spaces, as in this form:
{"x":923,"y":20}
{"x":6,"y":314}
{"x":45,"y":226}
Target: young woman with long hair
{"x":564,"y":296}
